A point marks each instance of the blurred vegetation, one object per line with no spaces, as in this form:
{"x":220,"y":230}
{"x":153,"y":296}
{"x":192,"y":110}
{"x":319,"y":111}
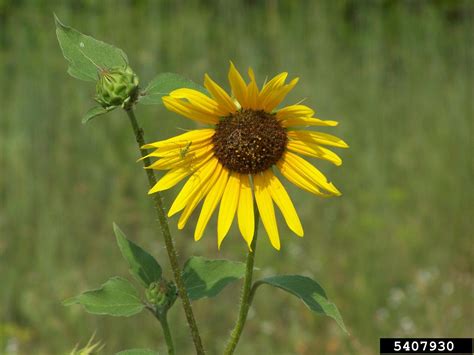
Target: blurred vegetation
{"x":394,"y":252}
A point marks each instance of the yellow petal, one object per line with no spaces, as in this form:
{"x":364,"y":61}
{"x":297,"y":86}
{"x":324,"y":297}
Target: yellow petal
{"x":265,"y":207}
{"x":245,"y":213}
{"x":179,"y":160}
{"x":276,"y":96}
{"x":307,"y":121}
{"x":294,"y":177}
{"x":200,"y":101}
{"x":219,"y":94}
{"x":194,"y":136}
{"x":210,"y":203}
{"x":188,"y":110}
{"x":252,"y":91}
{"x":170,"y":179}
{"x":284,"y":203}
{"x":193,"y":186}
{"x":201,"y":192}
{"x":180,"y":148}
{"x":175,"y":175}
{"x":294,"y":111}
{"x":237,"y":83}
{"x":318,"y":137}
{"x":272,"y":85}
{"x":313,"y":150}
{"x":228,"y":206}
{"x":308,"y":171}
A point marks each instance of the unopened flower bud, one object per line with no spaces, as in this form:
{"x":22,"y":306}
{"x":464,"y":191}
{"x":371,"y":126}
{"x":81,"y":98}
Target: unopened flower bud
{"x":117,"y":86}
{"x":161,"y":294}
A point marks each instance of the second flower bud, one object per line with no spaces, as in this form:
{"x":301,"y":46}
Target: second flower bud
{"x":117,"y":86}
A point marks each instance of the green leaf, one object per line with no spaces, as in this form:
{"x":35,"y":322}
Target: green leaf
{"x":117,"y":297}
{"x":86,"y":55}
{"x":143,"y":266}
{"x":94,"y":112}
{"x":137,"y":352}
{"x":309,"y":291}
{"x":163,"y":84}
{"x":206,"y":278}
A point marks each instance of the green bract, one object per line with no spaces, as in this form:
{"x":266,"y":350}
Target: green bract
{"x":161,"y":294}
{"x":117,"y":86}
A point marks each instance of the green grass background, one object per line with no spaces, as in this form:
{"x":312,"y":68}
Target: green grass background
{"x":395,"y":252}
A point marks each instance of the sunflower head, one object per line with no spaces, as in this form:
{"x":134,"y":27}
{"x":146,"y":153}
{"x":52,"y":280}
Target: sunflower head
{"x":233,"y":162}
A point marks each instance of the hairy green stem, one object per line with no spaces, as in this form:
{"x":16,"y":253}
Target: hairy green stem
{"x":172,"y":255}
{"x":166,"y":331}
{"x":162,"y":317}
{"x":246,"y":299}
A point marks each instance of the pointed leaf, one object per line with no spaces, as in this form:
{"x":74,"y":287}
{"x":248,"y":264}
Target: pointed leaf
{"x":309,"y":291}
{"x":143,"y":266}
{"x":137,"y":352}
{"x":86,"y":55}
{"x":117,"y":297}
{"x":94,"y":112}
{"x":163,"y":84}
{"x":206,"y":278}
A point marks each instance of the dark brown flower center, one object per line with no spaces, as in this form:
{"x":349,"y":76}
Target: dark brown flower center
{"x":249,"y":142}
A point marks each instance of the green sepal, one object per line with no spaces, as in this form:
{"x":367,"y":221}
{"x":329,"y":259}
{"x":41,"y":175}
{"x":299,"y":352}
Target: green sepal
{"x":86,"y":55}
{"x":94,"y":112}
{"x":163,"y":84}
{"x":116,"y":297}
{"x":143,"y":266}
{"x":206,"y":277}
{"x":309,"y":291}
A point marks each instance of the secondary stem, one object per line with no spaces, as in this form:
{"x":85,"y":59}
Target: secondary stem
{"x":166,"y":331}
{"x":172,"y":255}
{"x":245,"y":300}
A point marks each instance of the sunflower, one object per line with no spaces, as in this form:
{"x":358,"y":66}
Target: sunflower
{"x":234,"y":161}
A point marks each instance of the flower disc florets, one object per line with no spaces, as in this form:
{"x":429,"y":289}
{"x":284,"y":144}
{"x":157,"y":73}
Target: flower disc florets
{"x":116,"y":86}
{"x":249,"y":141}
